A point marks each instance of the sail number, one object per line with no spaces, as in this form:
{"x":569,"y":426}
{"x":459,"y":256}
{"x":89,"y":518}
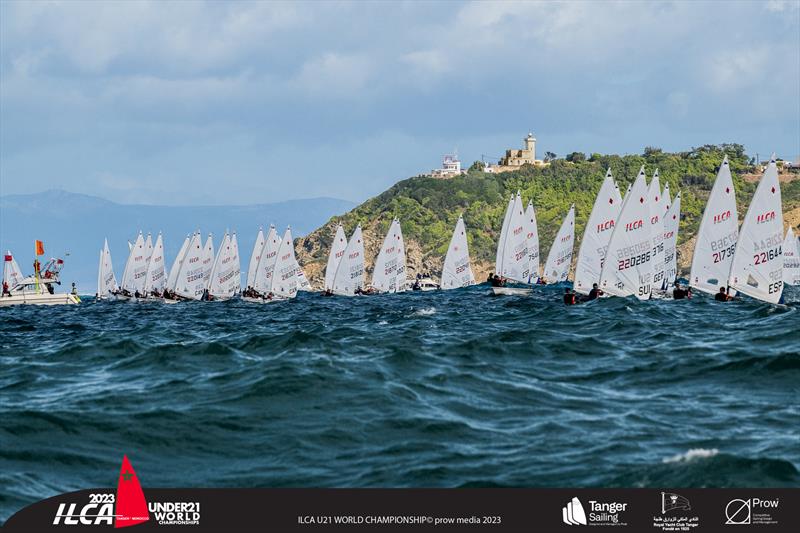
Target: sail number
{"x":762,"y":257}
{"x":633,"y":261}
{"x":722,"y":254}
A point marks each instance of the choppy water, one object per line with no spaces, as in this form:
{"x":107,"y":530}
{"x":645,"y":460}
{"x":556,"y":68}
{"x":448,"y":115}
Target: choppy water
{"x":437,"y":389}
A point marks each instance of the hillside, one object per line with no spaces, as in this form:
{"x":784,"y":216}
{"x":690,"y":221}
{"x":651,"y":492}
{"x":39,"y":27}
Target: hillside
{"x":428,"y":208}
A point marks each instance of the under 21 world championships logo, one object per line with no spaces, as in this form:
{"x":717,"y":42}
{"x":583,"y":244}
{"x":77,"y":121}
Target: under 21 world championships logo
{"x":131,"y":505}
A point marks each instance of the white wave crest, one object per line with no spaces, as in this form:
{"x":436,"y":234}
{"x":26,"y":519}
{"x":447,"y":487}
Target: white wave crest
{"x":427,"y":311}
{"x":694,"y":453}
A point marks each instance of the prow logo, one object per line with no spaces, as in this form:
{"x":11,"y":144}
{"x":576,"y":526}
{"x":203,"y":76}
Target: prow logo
{"x":131,"y":505}
{"x":573,"y":514}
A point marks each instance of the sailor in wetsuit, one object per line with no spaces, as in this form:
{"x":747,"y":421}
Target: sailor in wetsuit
{"x":679,"y":293}
{"x":497,"y":281}
{"x":569,"y":297}
{"x":723,"y":296}
{"x":594,"y":293}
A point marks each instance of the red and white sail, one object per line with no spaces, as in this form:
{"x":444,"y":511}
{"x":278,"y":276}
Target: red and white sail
{"x":350,"y":271}
{"x":757,"y":266}
{"x":559,"y":258}
{"x":456,"y":271}
{"x":791,"y":258}
{"x":337,"y":251}
{"x":672,"y":222}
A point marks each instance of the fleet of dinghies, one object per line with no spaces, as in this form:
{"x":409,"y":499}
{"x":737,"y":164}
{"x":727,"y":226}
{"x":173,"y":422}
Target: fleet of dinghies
{"x":629,"y":248}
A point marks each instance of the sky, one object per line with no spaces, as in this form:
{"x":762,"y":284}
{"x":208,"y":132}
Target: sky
{"x":220,"y":103}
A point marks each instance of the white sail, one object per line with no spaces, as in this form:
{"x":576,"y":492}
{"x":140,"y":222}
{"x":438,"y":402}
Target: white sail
{"x":672,"y":221}
{"x":717,"y":235}
{"x":400,"y":279}
{"x":532,"y":235}
{"x":667,"y":200}
{"x":559,"y":258}
{"x":514,"y":261}
{"x":237,"y":265}
{"x":266,"y":264}
{"x":757,"y":266}
{"x":599,"y":227}
{"x":628,"y":267}
{"x":302,"y":281}
{"x":136,"y":268}
{"x":258,"y":247}
{"x":12,"y":275}
{"x":337,"y":251}
{"x":501,"y":242}
{"x":208,"y":257}
{"x":284,"y":279}
{"x":384,"y":275}
{"x":148,"y":249}
{"x":655,"y":203}
{"x":456,"y":271}
{"x":222,"y":281}
{"x":155,"y":280}
{"x":191,"y":280}
{"x":350,"y":272}
{"x":172,"y":278}
{"x":791,"y":259}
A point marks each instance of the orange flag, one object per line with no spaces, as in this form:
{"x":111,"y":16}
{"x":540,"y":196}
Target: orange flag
{"x":39,"y":248}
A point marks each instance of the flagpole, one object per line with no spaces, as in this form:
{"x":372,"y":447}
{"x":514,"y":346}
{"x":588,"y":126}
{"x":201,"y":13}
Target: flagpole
{"x":36,"y":264}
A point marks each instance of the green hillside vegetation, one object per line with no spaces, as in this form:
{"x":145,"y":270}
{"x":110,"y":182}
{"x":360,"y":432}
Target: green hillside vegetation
{"x":428,"y":208}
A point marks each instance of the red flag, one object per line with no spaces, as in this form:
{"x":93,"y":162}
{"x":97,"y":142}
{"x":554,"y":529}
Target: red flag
{"x":131,"y":505}
{"x":39,"y":248}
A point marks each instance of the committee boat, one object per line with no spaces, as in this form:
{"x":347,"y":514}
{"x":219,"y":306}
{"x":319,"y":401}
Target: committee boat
{"x":38,"y":289}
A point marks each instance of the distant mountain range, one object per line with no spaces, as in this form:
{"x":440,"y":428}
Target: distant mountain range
{"x":76,"y":224}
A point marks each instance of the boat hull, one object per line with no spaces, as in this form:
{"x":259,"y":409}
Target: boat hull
{"x":509,"y":291}
{"x":39,"y":299}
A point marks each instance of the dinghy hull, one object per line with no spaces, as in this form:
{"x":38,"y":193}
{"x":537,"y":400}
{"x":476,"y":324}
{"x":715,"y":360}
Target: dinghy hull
{"x":510,"y":291}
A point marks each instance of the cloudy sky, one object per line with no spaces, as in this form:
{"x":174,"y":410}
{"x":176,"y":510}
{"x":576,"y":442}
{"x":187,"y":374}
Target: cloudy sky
{"x":215,"y":103}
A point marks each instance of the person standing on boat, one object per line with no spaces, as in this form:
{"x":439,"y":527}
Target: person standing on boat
{"x":6,"y":292}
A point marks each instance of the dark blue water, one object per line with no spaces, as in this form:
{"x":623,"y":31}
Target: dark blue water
{"x":442,"y":389}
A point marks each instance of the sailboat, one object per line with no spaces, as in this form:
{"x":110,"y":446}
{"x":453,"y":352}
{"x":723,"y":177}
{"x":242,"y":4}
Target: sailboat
{"x":207,"y":259}
{"x":599,"y":227}
{"x":135,"y":273}
{"x":338,"y":247}
{"x":222,"y":282}
{"x":456,"y":271}
{"x":655,"y":203}
{"x":791,"y":258}
{"x":172,"y":278}
{"x":513,"y":262}
{"x":717,"y":236}
{"x":400,"y":279}
{"x":106,"y":281}
{"x":191,"y":280}
{"x":629,"y":270}
{"x":237,"y":277}
{"x":12,"y":274}
{"x":532,"y":235}
{"x":384,"y":275}
{"x":757,"y":266}
{"x":284,"y":279}
{"x":672,"y":221}
{"x":258,"y":247}
{"x":349,"y":278}
{"x":302,"y":281}
{"x":155,"y":278}
{"x":559,"y":258}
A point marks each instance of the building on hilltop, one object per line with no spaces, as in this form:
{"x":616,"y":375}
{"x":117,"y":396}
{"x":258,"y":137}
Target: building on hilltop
{"x":515,"y":158}
{"x":451,"y":166}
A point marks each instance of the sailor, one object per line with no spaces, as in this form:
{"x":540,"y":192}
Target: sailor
{"x":137,"y":294}
{"x":594,"y":293}
{"x":74,"y":289}
{"x":679,"y":293}
{"x":569,"y":297}
{"x":490,"y":278}
{"x":723,"y":296}
{"x":5,"y":289}
{"x":497,"y":281}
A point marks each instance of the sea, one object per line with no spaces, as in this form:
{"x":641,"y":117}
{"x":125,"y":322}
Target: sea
{"x":437,"y":389}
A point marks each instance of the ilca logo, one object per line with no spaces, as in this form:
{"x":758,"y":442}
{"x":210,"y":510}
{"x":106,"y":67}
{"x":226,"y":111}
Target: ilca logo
{"x":573,"y":513}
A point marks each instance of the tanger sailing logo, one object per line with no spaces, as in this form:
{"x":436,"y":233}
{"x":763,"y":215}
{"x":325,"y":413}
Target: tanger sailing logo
{"x":573,"y":513}
{"x":600,"y":513}
{"x":131,"y":507}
